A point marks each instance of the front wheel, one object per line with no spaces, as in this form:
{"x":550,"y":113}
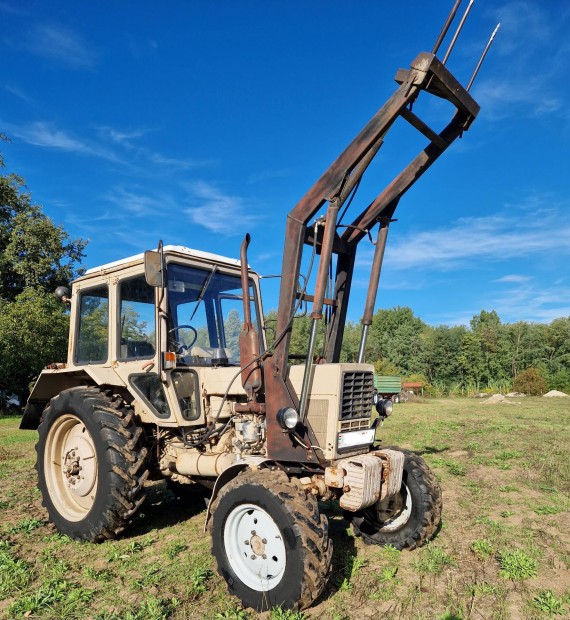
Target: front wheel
{"x":270,"y":543}
{"x":91,"y":465}
{"x":409,"y":519}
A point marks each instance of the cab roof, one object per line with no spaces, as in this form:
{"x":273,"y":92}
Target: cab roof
{"x":168,"y":249}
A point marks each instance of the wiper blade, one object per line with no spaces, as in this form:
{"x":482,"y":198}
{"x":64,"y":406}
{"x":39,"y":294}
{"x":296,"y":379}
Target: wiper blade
{"x":204,"y":289}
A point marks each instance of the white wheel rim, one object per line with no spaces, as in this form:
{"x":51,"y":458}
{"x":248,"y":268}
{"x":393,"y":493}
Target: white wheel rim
{"x":402,"y":517}
{"x":254,"y":547}
{"x":70,"y":467}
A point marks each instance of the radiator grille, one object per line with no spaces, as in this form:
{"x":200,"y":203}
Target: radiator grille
{"x":361,"y":424}
{"x":357,"y":389}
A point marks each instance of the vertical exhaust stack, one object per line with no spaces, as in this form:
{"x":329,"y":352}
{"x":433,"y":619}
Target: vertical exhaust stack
{"x":251,"y":377}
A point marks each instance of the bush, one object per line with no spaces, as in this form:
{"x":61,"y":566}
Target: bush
{"x":560,"y":381}
{"x":530,"y":381}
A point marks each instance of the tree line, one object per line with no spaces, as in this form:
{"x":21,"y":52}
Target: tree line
{"x":37,"y":255}
{"x":487,"y":355}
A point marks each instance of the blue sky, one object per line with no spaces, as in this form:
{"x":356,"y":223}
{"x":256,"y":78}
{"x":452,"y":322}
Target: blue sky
{"x":196,"y":122}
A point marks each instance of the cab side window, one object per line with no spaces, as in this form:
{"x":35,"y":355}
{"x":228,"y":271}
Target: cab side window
{"x":93,"y":326}
{"x":137,"y":329}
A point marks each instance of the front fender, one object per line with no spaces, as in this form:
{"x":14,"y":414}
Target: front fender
{"x":229,"y":474}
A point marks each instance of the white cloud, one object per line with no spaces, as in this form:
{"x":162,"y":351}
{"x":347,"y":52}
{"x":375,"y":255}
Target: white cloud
{"x":218,"y":212}
{"x":127,"y":140}
{"x":533,"y":302}
{"x":20,"y":94}
{"x":60,"y":44}
{"x":46,"y":135}
{"x":140,"y":204}
{"x":514,"y":278}
{"x":476,"y":239}
{"x":498,"y":95}
{"x":530,"y":59}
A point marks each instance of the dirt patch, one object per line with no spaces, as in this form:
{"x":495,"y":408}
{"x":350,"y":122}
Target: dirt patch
{"x":498,"y":399}
{"x":555,"y":394}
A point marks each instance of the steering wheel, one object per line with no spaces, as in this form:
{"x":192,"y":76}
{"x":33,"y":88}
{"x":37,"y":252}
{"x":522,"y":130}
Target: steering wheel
{"x":183,"y":348}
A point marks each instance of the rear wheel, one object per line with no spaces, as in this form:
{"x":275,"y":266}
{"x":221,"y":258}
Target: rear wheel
{"x":409,"y":519}
{"x":270,"y":542}
{"x":91,"y":465}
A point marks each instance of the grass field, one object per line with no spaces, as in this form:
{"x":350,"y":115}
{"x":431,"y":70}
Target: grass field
{"x":503,"y":550}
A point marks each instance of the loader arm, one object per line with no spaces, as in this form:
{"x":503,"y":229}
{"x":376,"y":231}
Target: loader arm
{"x":426,"y":74}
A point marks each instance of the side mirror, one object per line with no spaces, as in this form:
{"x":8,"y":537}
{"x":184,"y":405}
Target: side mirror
{"x":63,"y":294}
{"x":153,"y":271}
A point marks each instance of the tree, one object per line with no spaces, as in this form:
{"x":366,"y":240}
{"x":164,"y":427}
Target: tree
{"x":36,"y":256}
{"x":494,"y":346}
{"x":33,"y":333}
{"x":530,"y":381}
{"x":395,"y":335}
{"x":34,"y":252}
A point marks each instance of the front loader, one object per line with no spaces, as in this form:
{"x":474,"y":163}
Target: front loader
{"x":169,"y":375}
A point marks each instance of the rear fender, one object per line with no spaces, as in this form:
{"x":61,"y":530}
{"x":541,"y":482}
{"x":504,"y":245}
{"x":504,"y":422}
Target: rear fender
{"x":49,"y":384}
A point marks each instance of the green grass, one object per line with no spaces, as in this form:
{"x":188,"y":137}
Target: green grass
{"x":502,"y":551}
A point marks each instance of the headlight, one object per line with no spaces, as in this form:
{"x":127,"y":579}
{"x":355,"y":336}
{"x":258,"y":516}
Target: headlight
{"x":384,"y":407}
{"x":288,"y":418}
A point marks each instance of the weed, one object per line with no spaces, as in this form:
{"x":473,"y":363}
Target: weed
{"x":547,"y":602}
{"x":277,"y":613}
{"x":152,"y":608}
{"x":493,"y":525}
{"x":507,"y":513}
{"x":516,"y":565}
{"x":508,"y":488}
{"x":198,"y":578}
{"x":151,"y":577}
{"x":390,"y":553}
{"x":483,"y":588}
{"x":14,"y":573}
{"x":232,"y":613}
{"x":482,"y":548}
{"x":449,"y":615}
{"x":452,"y":467}
{"x":507,"y":455}
{"x":433,"y":560}
{"x":127,"y":551}
{"x":25,"y":526}
{"x":58,"y":537}
{"x":388,"y":574}
{"x":50,"y":594}
{"x":456,"y":469}
{"x":352,"y":566}
{"x":97,"y":575}
{"x":547,"y":510}
{"x":473,"y":487}
{"x":174,"y":548}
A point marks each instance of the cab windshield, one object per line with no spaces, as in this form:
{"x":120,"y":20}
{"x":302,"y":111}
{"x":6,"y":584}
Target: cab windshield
{"x":205,"y":314}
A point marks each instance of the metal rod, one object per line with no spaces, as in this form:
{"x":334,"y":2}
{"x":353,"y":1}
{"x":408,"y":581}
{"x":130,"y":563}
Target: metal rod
{"x":373,"y":287}
{"x":320,"y":288}
{"x":362,"y":348}
{"x":489,"y":42}
{"x":457,"y":31}
{"x":307,"y":374}
{"x":445,"y":28}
